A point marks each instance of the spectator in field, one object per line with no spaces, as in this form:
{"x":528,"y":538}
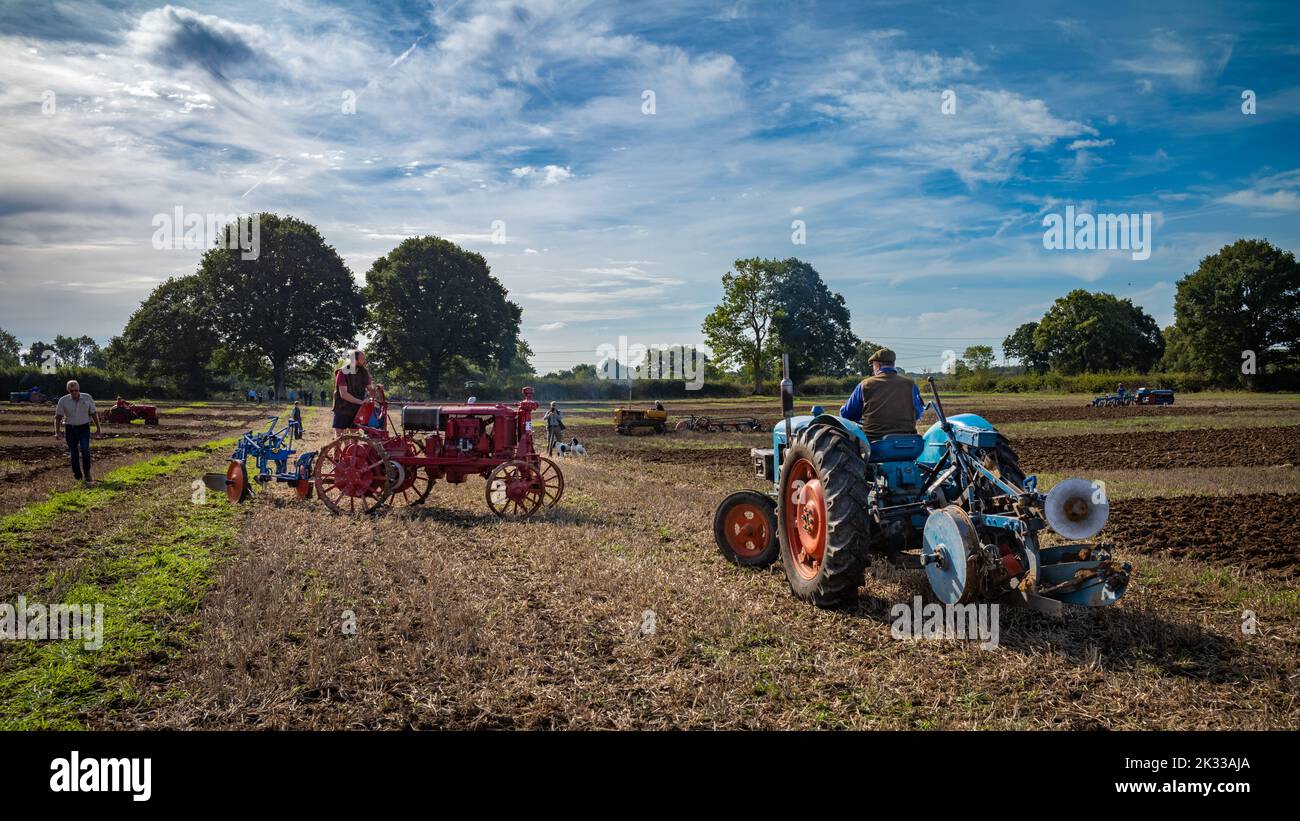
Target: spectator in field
{"x":251,"y":396}
{"x":885,"y":402}
{"x":351,"y":383}
{"x":554,"y":427}
{"x":74,"y":413}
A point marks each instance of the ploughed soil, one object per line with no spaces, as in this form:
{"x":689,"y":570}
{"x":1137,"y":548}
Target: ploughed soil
{"x":1232,"y":447}
{"x":1256,"y":532}
{"x":1224,"y":447}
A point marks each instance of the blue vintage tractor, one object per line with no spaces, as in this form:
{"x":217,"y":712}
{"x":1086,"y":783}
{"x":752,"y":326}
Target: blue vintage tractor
{"x":953,"y":502}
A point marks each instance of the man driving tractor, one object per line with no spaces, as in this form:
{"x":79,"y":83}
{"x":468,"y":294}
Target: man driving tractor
{"x":885,"y":402}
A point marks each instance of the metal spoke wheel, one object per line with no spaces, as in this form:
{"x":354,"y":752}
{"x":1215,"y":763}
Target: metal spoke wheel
{"x":353,"y":475}
{"x":514,"y":489}
{"x":552,"y":481}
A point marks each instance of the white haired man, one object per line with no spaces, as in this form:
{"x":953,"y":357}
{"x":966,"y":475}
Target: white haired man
{"x":74,"y":413}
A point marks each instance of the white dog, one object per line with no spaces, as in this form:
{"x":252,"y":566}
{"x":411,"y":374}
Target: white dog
{"x":571,"y":448}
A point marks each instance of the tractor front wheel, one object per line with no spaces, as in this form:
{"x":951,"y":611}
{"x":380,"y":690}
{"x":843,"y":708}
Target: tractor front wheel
{"x":824,"y":525}
{"x":744,"y":527}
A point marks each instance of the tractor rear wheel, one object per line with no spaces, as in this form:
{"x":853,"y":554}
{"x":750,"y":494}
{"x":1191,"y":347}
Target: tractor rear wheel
{"x":744,"y":528}
{"x":824,"y":525}
{"x":1005,"y":463}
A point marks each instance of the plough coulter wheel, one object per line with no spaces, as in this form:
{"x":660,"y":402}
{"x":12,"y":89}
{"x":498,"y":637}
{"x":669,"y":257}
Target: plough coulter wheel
{"x":824,"y":517}
{"x":352,"y":475}
{"x":744,"y":527}
{"x":237,"y":489}
{"x":302,"y":487}
{"x":514,"y":489}
{"x":552,"y":481}
{"x":947,"y":553}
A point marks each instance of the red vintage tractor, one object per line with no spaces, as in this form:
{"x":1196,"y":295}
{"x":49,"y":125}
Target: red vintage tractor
{"x":360,"y":472}
{"x":124,"y":413}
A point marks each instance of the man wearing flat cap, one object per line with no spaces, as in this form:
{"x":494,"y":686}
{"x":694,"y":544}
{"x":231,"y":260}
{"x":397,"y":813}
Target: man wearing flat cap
{"x":885,"y":402}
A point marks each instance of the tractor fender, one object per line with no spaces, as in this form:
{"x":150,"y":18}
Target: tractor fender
{"x":798,"y":423}
{"x":936,"y":441}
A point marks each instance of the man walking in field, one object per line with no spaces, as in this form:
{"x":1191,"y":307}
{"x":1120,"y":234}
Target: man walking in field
{"x":74,"y":413}
{"x":885,"y":402}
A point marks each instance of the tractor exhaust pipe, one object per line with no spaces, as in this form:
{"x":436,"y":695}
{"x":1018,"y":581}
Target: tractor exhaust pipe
{"x":787,"y":394}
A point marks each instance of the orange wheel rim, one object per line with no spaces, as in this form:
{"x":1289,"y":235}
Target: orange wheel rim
{"x":747,"y":532}
{"x":805,"y":519}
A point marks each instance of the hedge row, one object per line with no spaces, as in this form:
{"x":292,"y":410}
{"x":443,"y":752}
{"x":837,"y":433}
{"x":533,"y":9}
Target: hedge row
{"x":98,"y":383}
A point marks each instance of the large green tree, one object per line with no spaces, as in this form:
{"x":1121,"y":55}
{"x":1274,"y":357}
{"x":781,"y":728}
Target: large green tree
{"x":739,"y":330}
{"x":432,"y":301}
{"x":9,"y":349}
{"x":862,"y":352}
{"x":77,"y":351}
{"x":978,"y":358}
{"x":1245,"y":298}
{"x":41,"y":354}
{"x":171,"y":337}
{"x":812,"y":324}
{"x":1019,"y":345}
{"x":1085,"y":332}
{"x":292,"y":305}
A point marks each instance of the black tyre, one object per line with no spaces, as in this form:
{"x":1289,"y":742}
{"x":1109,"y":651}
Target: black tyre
{"x":824,"y":523}
{"x":1003,"y":461}
{"x":744,"y":528}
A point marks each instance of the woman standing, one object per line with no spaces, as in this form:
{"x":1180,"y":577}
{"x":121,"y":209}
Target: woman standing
{"x":350,"y":385}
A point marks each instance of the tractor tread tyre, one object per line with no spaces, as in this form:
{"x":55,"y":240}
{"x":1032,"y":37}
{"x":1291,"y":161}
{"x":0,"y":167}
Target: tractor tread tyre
{"x":843,"y":472}
{"x":1008,"y":463}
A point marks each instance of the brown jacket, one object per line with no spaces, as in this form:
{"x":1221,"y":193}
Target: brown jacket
{"x":887,"y":405}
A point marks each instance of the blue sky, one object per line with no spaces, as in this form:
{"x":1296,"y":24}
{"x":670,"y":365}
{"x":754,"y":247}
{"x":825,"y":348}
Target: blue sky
{"x":619,"y":222}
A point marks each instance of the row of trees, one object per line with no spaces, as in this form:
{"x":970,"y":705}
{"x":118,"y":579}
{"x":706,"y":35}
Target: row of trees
{"x":1236,"y":317}
{"x":431,"y":308}
{"x":75,"y":351}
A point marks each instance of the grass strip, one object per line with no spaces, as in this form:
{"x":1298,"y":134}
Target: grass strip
{"x":112,"y":487}
{"x":149,"y":597}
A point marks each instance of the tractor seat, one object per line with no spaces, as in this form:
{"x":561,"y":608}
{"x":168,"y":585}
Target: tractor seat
{"x":897,"y":447}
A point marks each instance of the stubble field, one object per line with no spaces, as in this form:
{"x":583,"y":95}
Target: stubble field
{"x":615,"y":610}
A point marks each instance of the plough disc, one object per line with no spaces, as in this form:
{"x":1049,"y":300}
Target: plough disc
{"x":237,"y":489}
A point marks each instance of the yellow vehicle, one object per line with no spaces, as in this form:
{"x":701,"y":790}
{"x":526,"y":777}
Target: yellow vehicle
{"x":629,"y":420}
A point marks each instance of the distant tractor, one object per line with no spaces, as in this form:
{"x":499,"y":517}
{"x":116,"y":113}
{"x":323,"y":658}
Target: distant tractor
{"x":630,"y":420}
{"x":1154,"y":396}
{"x":124,"y":413}
{"x":1143,"y":396}
{"x":32,"y":395}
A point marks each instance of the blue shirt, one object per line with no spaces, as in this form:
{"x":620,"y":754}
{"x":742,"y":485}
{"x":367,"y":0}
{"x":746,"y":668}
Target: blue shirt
{"x":852,"y":410}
